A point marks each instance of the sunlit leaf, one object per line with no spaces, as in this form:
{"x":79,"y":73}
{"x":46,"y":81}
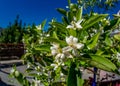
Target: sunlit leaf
{"x":99,"y":52}
{"x":80,"y":81}
{"x":102,"y":63}
{"x":43,"y":24}
{"x":72,"y":32}
{"x":42,"y":48}
{"x":61,"y":27}
{"x":108,"y":41}
{"x":92,"y":20}
{"x":55,"y":35}
{"x":93,"y":41}
{"x":117,"y":36}
{"x":79,"y":14}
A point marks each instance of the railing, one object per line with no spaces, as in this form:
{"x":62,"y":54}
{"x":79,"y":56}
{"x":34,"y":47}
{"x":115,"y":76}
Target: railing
{"x":9,"y":50}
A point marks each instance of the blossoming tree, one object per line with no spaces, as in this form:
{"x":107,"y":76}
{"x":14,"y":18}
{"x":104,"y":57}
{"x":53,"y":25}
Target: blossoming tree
{"x":79,"y":41}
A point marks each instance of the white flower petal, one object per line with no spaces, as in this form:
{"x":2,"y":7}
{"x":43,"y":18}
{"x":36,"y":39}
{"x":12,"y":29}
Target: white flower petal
{"x":55,"y":45}
{"x":79,"y":45}
{"x":69,"y":39}
{"x":53,"y":65}
{"x":69,"y":55}
{"x":53,"y":52}
{"x":39,"y":27}
{"x":70,"y":26}
{"x":62,"y":56}
{"x":74,"y":52}
{"x":79,"y":21}
{"x":58,"y":56}
{"x":66,"y":49}
{"x":78,"y":26}
{"x":75,"y":40}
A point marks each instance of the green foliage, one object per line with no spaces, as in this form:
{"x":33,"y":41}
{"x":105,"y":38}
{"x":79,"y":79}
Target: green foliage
{"x":102,"y":63}
{"x":93,"y":41}
{"x":13,"y":33}
{"x":56,"y":56}
{"x":93,"y":20}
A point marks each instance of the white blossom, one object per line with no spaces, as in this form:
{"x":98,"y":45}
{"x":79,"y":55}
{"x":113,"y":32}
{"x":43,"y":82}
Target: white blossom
{"x":75,"y":25}
{"x":73,"y":43}
{"x":39,"y":27}
{"x":55,"y":49}
{"x":47,"y":35}
{"x":60,"y":53}
{"x":55,"y":66}
{"x":41,"y":40}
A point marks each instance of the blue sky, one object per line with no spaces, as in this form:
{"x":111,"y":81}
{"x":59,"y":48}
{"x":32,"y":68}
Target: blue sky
{"x":32,"y":11}
{"x":29,"y":10}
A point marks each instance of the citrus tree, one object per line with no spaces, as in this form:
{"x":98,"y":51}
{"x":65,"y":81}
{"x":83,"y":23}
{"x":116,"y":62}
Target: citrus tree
{"x":56,"y":57}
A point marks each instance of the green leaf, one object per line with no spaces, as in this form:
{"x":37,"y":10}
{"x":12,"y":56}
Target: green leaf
{"x":93,"y":20}
{"x":102,"y":63}
{"x":93,"y":41}
{"x":80,"y":81}
{"x":62,"y":11}
{"x":116,"y":16}
{"x":69,"y":2}
{"x":99,"y":52}
{"x":72,"y":79}
{"x":43,"y":23}
{"x":72,"y":32}
{"x":70,"y":16}
{"x":79,"y":14}
{"x":61,"y":27}
{"x":83,"y":35}
{"x":44,"y":47}
{"x":55,"y":35}
{"x":108,"y":41}
{"x":117,"y":36}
